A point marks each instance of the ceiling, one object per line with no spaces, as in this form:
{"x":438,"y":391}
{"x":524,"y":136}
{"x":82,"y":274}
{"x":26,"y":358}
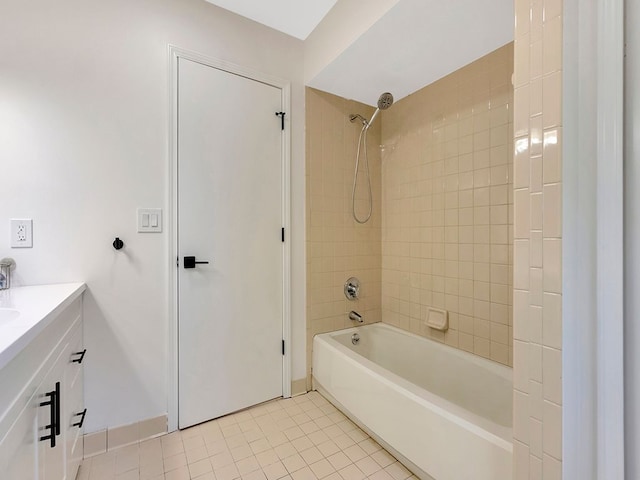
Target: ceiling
{"x":297,"y":18}
{"x":415,"y":43}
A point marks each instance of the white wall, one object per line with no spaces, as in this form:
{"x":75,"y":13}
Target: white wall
{"x":632,"y":242}
{"x":83,"y":143}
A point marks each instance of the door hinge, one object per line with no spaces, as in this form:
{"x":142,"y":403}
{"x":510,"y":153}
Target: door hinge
{"x":281,"y":115}
{"x":283,"y":234}
{"x":282,"y":347}
{"x":177,"y":261}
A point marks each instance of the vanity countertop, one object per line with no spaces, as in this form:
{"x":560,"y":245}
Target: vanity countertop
{"x":27,"y":311}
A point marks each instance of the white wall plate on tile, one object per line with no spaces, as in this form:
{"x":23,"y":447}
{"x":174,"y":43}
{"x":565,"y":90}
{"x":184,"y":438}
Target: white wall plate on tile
{"x":437,"y":319}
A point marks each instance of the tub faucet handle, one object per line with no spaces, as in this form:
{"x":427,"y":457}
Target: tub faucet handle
{"x":352,"y":288}
{"x":355,"y":316}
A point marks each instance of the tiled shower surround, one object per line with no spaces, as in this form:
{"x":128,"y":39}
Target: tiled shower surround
{"x":447,"y":207}
{"x":337,"y":246}
{"x":537,"y":379}
{"x":441,"y":233}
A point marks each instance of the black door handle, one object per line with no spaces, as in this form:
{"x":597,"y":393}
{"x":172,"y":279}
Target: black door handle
{"x":190,"y":262}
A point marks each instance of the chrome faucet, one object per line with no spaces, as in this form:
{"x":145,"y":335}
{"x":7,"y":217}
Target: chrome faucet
{"x":355,"y":316}
{"x":6,"y":265}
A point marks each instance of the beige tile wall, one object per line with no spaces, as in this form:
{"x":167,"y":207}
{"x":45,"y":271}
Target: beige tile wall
{"x":537,"y":427}
{"x":447,"y":226}
{"x":337,"y":246}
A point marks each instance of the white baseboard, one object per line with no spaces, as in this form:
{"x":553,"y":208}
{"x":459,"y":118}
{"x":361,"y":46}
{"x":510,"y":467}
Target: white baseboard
{"x":298,"y":387}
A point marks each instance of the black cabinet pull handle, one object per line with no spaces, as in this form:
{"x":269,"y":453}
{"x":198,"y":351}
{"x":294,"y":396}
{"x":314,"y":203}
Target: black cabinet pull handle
{"x":58,"y":402}
{"x":54,"y":410}
{"x":81,"y":422}
{"x":79,"y":360}
{"x":190,"y":262}
{"x":52,"y":434}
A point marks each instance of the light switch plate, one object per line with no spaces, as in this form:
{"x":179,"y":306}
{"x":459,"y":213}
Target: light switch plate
{"x":149,"y":220}
{"x":21,"y":233}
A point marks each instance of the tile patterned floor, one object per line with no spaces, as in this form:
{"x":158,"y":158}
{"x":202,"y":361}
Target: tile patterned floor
{"x":300,"y":438}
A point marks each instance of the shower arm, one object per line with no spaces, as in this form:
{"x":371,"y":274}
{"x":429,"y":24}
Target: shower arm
{"x":356,"y":116}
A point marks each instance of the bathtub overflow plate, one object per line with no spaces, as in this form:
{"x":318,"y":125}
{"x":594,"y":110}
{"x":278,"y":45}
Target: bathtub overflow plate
{"x":352,"y":288}
{"x":355,"y":338}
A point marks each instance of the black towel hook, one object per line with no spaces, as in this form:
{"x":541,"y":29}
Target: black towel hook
{"x":118,"y":244}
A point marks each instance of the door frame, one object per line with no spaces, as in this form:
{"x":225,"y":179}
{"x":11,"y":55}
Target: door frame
{"x":593,"y":414}
{"x":172,"y":218}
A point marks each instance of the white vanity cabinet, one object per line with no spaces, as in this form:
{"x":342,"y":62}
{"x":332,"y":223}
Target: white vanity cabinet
{"x":18,"y":449}
{"x":41,"y":400}
{"x":73,"y":410}
{"x":51,"y":457}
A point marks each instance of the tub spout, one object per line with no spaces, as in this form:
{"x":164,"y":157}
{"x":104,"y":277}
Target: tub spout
{"x":355,"y":316}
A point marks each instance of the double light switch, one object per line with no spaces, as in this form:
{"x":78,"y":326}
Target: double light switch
{"x":150,"y":220}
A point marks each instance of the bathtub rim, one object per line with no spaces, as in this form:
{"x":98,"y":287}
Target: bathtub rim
{"x":491,"y":431}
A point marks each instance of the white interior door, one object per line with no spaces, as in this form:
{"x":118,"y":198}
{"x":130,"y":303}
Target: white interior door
{"x":230,"y":204}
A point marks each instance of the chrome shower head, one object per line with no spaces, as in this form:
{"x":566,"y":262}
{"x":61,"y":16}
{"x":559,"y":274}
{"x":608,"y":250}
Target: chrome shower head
{"x":384,"y":102}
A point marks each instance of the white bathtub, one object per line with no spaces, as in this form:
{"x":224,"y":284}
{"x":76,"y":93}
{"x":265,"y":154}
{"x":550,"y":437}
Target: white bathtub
{"x":445,"y":413}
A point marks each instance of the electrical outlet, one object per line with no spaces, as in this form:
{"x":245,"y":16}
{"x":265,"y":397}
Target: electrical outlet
{"x":21,"y":233}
